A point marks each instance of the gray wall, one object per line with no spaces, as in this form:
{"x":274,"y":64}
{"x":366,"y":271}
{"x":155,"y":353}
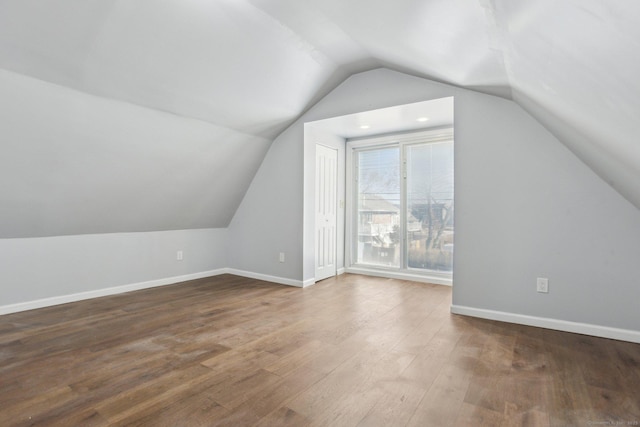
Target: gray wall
{"x":525,"y":207}
{"x":269,"y":218}
{"x":38,"y":268}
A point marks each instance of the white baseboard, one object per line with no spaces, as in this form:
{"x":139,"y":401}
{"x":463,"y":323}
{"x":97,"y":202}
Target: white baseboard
{"x":543,"y":322}
{"x":64,"y":299}
{"x":267,"y":278}
{"x":308,"y":282}
{"x":400,"y":275}
{"x":312,"y":281}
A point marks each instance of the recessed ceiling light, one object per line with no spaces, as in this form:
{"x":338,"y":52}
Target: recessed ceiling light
{"x":365,"y":127}
{"x":423,"y":119}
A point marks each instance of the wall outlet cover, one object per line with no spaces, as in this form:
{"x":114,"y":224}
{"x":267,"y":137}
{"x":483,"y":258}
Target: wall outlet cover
{"x":542,"y":285}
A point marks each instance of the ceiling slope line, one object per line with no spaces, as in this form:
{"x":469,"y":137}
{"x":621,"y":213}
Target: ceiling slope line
{"x":146,"y":107}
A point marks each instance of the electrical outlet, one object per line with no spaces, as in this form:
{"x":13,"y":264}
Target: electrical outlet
{"x":281,"y":258}
{"x":179,"y":256}
{"x":542,"y":285}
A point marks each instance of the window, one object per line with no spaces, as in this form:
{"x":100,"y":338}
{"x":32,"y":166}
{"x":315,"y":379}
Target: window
{"x":402,"y":203}
{"x":378,"y":193}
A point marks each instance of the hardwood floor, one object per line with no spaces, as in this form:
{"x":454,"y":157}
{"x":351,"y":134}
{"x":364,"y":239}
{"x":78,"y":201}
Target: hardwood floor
{"x":351,"y":351}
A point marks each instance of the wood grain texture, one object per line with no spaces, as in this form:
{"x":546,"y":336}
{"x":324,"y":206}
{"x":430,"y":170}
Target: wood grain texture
{"x":348,"y":351}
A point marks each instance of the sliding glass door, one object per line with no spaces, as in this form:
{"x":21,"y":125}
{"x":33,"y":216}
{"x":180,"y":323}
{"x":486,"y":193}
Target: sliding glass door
{"x":429,"y":206}
{"x":403,"y":211}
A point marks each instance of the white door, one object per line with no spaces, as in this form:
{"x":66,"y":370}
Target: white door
{"x":326,"y":211}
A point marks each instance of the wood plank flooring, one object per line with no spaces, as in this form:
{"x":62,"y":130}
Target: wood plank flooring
{"x":349,"y":351}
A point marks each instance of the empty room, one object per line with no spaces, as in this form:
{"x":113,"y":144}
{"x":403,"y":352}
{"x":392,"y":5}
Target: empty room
{"x":319,"y":213}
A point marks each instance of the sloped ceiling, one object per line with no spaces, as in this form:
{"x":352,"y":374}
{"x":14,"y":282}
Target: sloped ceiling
{"x":190,"y":86}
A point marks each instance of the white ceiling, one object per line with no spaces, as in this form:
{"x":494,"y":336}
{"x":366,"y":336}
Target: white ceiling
{"x":250,"y":67}
{"x":434,"y":113}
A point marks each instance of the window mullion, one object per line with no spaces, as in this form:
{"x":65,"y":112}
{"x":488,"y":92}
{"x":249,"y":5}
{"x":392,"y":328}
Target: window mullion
{"x":403,"y":209}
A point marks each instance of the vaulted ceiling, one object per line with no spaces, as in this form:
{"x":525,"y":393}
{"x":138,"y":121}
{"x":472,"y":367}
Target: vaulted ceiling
{"x":229,"y":75}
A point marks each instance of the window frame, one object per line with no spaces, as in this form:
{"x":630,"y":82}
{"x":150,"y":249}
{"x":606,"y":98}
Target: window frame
{"x":400,"y":140}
